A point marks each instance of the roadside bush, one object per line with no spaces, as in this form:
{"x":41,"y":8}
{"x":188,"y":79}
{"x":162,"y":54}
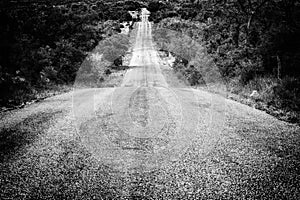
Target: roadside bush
{"x":44,"y":43}
{"x":282,"y":94}
{"x":193,"y":76}
{"x":287,"y":94}
{"x":253,"y":44}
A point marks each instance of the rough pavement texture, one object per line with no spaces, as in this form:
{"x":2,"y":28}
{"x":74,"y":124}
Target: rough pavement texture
{"x":146,"y":140}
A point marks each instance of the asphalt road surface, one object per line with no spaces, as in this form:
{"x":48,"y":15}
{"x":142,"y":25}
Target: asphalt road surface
{"x":146,"y":140}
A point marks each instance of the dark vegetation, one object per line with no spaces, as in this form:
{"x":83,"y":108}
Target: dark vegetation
{"x":104,"y":60}
{"x":44,"y":42}
{"x":255,"y":45}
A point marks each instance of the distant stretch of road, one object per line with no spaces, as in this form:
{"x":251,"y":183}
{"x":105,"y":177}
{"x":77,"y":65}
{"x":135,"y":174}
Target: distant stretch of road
{"x":146,"y":140}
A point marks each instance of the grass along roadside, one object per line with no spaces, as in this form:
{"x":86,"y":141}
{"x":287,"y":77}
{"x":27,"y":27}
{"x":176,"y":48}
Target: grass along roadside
{"x":284,"y":106}
{"x":113,"y":78}
{"x":257,"y":102}
{"x":34,"y":96}
{"x":25,"y":98}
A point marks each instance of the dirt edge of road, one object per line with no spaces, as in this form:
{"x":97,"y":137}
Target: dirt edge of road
{"x":176,"y":80}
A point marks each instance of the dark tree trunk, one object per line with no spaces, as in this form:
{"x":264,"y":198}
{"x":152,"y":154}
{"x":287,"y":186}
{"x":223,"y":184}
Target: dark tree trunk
{"x":236,"y":36}
{"x":279,"y":67}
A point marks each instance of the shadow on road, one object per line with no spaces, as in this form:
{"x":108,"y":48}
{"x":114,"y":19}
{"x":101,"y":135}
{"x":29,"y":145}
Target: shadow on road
{"x":14,"y":139}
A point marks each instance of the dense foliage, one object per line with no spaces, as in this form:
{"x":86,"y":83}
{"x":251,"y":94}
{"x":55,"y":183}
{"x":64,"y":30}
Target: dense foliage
{"x":102,"y":61}
{"x":44,"y":42}
{"x":255,"y":43}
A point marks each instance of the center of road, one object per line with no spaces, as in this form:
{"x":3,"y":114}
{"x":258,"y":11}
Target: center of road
{"x":144,"y":123}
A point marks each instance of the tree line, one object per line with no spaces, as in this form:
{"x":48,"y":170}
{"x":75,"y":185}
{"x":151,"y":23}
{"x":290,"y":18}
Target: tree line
{"x":44,"y":42}
{"x":254,"y":43}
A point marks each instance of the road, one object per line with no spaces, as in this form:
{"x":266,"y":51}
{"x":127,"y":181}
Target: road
{"x":146,"y":140}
